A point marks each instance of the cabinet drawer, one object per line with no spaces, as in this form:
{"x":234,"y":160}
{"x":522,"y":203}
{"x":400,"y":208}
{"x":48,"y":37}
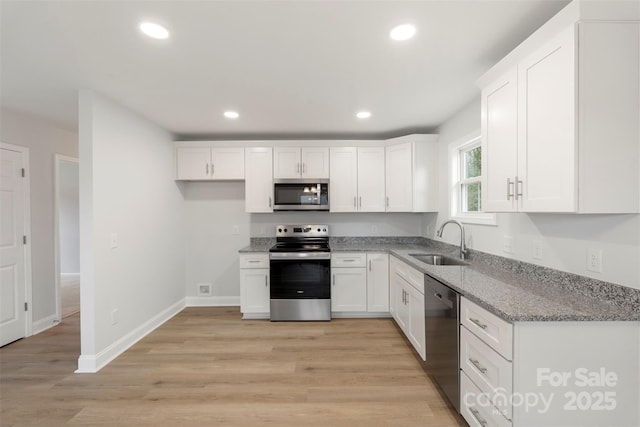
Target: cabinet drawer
{"x":475,"y":408}
{"x":258,"y":260}
{"x":349,"y":260}
{"x":494,"y":331}
{"x":491,"y":372}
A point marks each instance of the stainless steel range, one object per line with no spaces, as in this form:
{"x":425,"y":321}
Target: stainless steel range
{"x":300,"y":271}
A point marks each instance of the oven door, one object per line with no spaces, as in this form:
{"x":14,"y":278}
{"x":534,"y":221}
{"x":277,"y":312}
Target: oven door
{"x":300,"y":278}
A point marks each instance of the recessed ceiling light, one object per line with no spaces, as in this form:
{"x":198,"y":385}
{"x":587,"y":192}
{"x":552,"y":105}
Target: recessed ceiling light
{"x":402,"y":32}
{"x":231,"y":114}
{"x":363,"y":115}
{"x":154,"y":30}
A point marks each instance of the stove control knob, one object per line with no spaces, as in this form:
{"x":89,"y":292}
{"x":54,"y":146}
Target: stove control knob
{"x":279,"y":230}
{"x":285,"y":230}
{"x":318,"y":230}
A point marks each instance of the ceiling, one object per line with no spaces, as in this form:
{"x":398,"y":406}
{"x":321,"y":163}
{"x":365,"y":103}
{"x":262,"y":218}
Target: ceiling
{"x":290,"y":68}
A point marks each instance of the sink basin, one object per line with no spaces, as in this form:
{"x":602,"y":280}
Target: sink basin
{"x":433,"y":259}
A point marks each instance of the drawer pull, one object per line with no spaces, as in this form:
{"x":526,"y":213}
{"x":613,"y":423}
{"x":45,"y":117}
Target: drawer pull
{"x":478,"y":366}
{"x":478,"y":323}
{"x":253,"y":261}
{"x":477,"y":416}
{"x":349,"y":260}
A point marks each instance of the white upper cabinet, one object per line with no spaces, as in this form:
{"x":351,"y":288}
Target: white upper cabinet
{"x":204,"y":163}
{"x":305,"y":162}
{"x":560,"y":127}
{"x":412,"y":174}
{"x":499,"y":143}
{"x":357,"y":179}
{"x":258,"y":183}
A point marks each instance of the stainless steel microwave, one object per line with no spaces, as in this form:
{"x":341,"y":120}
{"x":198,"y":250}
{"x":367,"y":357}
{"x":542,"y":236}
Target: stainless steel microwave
{"x":301,"y":195}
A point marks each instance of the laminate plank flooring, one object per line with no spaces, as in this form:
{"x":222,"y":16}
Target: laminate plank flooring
{"x":208,"y":367}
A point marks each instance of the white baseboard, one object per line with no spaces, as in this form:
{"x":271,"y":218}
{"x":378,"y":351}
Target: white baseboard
{"x":44,"y":324}
{"x":213,"y":301}
{"x":93,"y":363}
{"x":359,"y":315}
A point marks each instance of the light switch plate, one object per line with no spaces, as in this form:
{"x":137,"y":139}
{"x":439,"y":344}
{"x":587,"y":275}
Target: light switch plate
{"x":537,"y":249}
{"x":507,"y":245}
{"x":113,"y":240}
{"x":594,"y":260}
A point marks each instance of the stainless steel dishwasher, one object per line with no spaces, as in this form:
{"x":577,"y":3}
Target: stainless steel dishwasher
{"x":442,"y":327}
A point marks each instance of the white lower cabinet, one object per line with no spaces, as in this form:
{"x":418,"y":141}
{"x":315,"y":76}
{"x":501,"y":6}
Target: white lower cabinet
{"x":254,"y":286}
{"x":360,"y":283}
{"x":377,"y":283}
{"x":407,"y":300}
{"x":348,"y":282}
{"x":536,"y":373}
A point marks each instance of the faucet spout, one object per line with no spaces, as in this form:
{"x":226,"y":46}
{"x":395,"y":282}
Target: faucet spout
{"x":463,"y":247}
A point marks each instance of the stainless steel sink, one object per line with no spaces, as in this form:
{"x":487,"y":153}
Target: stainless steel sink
{"x":433,"y":259}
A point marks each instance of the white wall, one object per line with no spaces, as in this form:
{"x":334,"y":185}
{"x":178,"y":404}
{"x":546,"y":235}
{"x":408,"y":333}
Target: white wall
{"x":126,"y":189}
{"x":212,"y":209}
{"x":565,"y":238}
{"x":69,"y":218}
{"x":43,"y":141}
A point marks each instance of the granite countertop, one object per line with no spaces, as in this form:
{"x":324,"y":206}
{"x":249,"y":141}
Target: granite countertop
{"x":515,"y":297}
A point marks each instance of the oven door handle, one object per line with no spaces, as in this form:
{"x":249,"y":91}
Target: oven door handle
{"x":299,"y":255}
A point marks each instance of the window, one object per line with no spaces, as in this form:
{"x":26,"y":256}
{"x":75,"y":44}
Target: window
{"x":466,"y":178}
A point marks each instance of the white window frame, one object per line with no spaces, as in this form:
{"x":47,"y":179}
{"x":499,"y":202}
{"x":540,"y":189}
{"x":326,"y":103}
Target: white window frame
{"x":455,"y":166}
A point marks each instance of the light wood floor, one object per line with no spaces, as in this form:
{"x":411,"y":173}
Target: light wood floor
{"x":208,"y":367}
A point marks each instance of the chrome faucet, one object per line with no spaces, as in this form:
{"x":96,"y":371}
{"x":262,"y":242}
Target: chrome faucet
{"x":463,"y":247}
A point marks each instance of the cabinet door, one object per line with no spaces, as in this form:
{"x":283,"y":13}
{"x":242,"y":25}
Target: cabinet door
{"x":349,"y":290}
{"x":371,"y":179}
{"x":258,"y":182}
{"x":286,"y":162}
{"x":254,"y":290}
{"x":193,"y":163}
{"x":315,"y":163}
{"x":546,"y":125}
{"x":344,"y":179}
{"x":378,"y":282}
{"x":499,"y":144}
{"x":416,"y":330}
{"x":399,"y":178}
{"x":227,"y":163}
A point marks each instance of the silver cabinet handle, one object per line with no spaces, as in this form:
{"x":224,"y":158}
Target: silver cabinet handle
{"x":369,"y":265}
{"x":207,"y":169}
{"x":518,"y":188}
{"x":509,"y":189}
{"x":269,"y":201}
{"x":303,"y":168}
{"x":266,"y":281}
{"x":476,"y":415}
{"x":478,"y":323}
{"x":478,"y":366}
{"x":387,"y":201}
{"x":297,"y":167}
{"x":360,"y":202}
{"x":253,"y":261}
{"x":349,"y":260}
{"x":212,"y":169}
{"x":354,"y":202}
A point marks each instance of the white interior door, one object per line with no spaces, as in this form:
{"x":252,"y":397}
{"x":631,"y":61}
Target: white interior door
{"x":12,"y":254}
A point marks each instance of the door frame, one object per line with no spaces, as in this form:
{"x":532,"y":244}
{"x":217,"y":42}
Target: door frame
{"x":58,"y":158}
{"x":26,"y":193}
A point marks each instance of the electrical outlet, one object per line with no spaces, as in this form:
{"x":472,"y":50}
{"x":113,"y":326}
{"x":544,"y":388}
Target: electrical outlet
{"x":374,"y":229}
{"x":113,"y":240}
{"x":594,"y":260}
{"x":115,"y":316}
{"x":537,"y":249}
{"x":236,"y":230}
{"x":507,"y":244}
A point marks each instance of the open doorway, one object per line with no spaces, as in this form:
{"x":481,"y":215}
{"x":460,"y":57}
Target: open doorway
{"x":67,"y":224}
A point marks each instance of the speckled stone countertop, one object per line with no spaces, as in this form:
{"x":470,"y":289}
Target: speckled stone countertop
{"x":514,"y":291}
